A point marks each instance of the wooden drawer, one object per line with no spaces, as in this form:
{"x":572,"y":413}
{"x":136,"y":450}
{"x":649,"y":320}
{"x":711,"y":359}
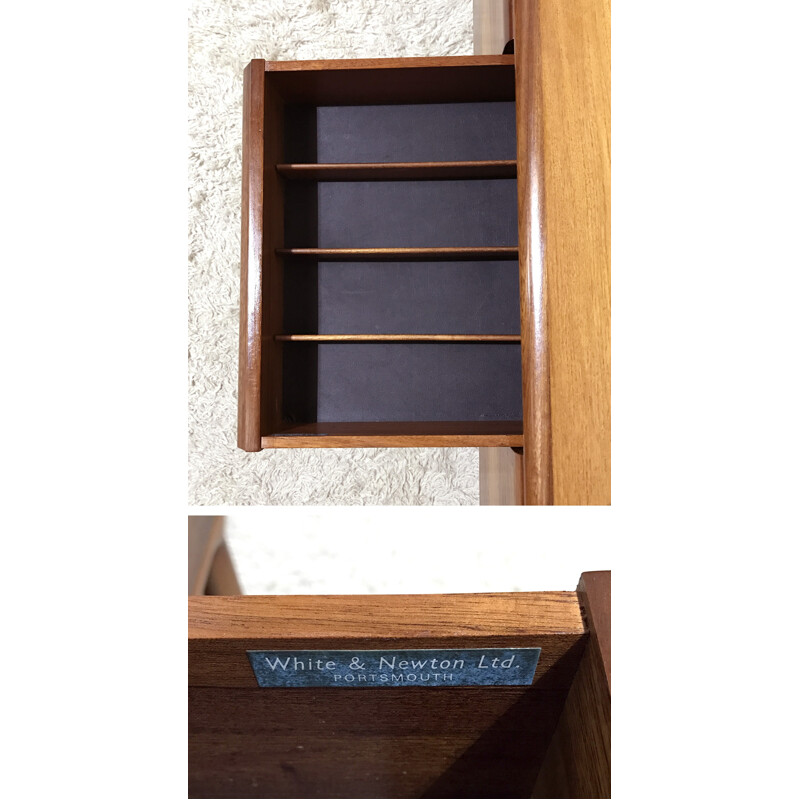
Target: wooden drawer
{"x":380,"y":279}
{"x":547,"y":739}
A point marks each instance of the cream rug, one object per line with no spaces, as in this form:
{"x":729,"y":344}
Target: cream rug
{"x":223,"y":36}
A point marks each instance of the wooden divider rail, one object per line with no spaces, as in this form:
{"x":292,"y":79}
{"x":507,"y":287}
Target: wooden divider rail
{"x":550,"y":738}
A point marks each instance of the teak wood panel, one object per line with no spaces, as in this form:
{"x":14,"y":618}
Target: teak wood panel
{"x":563,"y":166}
{"x":445,"y":79}
{"x":399,"y":742}
{"x":578,"y":759}
{"x":252,"y":244}
{"x":261,"y":292}
{"x":537,"y":454}
{"x":398,"y":434}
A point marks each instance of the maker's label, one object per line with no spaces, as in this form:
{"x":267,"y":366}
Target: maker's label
{"x":513,"y":666}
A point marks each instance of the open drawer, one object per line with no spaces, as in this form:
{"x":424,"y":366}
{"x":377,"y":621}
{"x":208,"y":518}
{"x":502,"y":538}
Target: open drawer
{"x":267,"y":720}
{"x":380,"y":278}
{"x":380,"y":243}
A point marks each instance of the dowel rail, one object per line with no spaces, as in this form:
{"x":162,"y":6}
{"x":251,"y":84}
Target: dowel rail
{"x":428,"y":170}
{"x":398,"y":337}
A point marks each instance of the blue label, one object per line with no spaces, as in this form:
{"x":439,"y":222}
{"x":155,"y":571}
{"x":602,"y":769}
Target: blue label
{"x":352,"y":669}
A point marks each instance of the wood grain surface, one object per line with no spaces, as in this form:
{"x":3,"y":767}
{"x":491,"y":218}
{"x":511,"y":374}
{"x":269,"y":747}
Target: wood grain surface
{"x":445,"y":79}
{"x":429,"y":170}
{"x":578,"y":760}
{"x":594,"y":594}
{"x":422,"y":63}
{"x":533,"y":286}
{"x":261,"y":280}
{"x":401,"y":253}
{"x":563,"y":77}
{"x":399,"y":434}
{"x":340,"y":618}
{"x":245,"y":741}
{"x":250,"y":313}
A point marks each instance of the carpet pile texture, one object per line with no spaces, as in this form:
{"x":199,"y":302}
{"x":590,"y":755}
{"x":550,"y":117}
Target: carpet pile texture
{"x":223,"y":36}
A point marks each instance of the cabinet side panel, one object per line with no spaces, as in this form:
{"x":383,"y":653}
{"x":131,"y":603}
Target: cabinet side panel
{"x":575,"y":42}
{"x":533,"y":286}
{"x":249,"y":427}
{"x":578,"y":760}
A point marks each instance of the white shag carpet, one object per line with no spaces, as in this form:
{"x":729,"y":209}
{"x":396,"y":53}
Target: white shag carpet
{"x":223,"y":36}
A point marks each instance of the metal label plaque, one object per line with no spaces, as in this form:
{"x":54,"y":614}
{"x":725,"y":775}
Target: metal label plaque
{"x":350,"y":669}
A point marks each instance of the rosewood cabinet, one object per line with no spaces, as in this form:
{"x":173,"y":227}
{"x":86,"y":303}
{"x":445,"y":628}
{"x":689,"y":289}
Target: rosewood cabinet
{"x":548,"y":736}
{"x":424,"y":255}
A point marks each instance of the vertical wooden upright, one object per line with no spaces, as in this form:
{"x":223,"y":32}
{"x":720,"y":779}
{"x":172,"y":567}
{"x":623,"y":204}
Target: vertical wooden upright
{"x":578,"y":760}
{"x":562,"y":60}
{"x":261,"y":292}
{"x":252,"y":245}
